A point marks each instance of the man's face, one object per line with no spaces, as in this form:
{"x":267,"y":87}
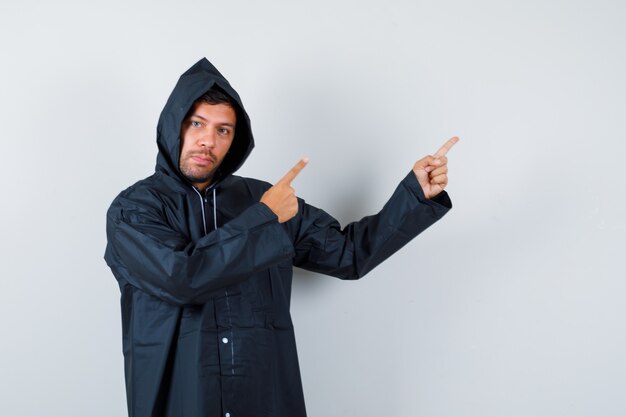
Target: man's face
{"x":206,"y":136}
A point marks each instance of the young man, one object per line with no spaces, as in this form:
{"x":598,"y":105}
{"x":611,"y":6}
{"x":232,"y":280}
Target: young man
{"x":204,"y":260}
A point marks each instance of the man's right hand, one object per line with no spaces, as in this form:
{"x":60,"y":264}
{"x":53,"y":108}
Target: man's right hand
{"x":281,"y":198}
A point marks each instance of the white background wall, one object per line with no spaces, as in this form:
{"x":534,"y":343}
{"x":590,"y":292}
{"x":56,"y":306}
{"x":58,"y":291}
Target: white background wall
{"x":512,"y":305}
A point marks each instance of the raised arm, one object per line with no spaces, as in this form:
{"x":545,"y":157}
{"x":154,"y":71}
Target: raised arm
{"x":145,"y":251}
{"x":349,"y":253}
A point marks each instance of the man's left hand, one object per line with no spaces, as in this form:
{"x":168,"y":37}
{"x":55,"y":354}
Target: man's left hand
{"x":432,"y":170}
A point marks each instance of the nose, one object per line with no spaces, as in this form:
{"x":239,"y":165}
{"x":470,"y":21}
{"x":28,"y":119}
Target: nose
{"x":207,"y":139}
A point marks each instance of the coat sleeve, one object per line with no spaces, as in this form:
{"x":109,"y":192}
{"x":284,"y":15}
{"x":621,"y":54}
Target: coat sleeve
{"x":349,"y":253}
{"x":146,"y":252}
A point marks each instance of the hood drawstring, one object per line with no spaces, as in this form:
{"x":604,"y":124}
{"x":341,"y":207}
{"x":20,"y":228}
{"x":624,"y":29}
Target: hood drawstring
{"x":201,"y":208}
{"x":202,"y":200}
{"x":214,"y":209}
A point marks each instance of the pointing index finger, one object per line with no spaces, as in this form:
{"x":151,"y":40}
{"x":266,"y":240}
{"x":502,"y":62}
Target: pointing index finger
{"x":446,"y":147}
{"x":293,"y":172}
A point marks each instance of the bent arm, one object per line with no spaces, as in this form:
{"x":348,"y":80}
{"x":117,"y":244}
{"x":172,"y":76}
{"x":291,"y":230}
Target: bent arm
{"x":349,"y":253}
{"x":143,"y":250}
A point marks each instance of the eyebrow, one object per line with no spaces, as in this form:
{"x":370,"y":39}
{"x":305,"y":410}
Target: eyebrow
{"x":206,"y":120}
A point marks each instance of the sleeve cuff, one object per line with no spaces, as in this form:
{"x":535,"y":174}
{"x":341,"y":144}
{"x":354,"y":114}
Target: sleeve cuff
{"x":441,"y":200}
{"x":283,"y":240}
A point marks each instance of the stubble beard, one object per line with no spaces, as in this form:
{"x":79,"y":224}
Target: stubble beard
{"x":197,"y":175}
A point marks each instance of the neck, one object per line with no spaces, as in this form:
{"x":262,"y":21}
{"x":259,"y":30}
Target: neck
{"x":201,"y":186}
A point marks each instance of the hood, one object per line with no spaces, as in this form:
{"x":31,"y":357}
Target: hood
{"x":191,"y":85}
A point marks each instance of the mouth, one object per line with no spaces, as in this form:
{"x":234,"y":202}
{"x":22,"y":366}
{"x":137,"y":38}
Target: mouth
{"x":202,"y":159}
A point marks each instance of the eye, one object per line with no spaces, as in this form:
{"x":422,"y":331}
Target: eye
{"x":223,"y":131}
{"x":195,"y":123}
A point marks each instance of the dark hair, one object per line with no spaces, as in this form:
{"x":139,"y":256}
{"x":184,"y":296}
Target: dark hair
{"x":216,"y":96}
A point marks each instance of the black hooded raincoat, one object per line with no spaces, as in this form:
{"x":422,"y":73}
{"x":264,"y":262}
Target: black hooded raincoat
{"x":205,"y":278}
